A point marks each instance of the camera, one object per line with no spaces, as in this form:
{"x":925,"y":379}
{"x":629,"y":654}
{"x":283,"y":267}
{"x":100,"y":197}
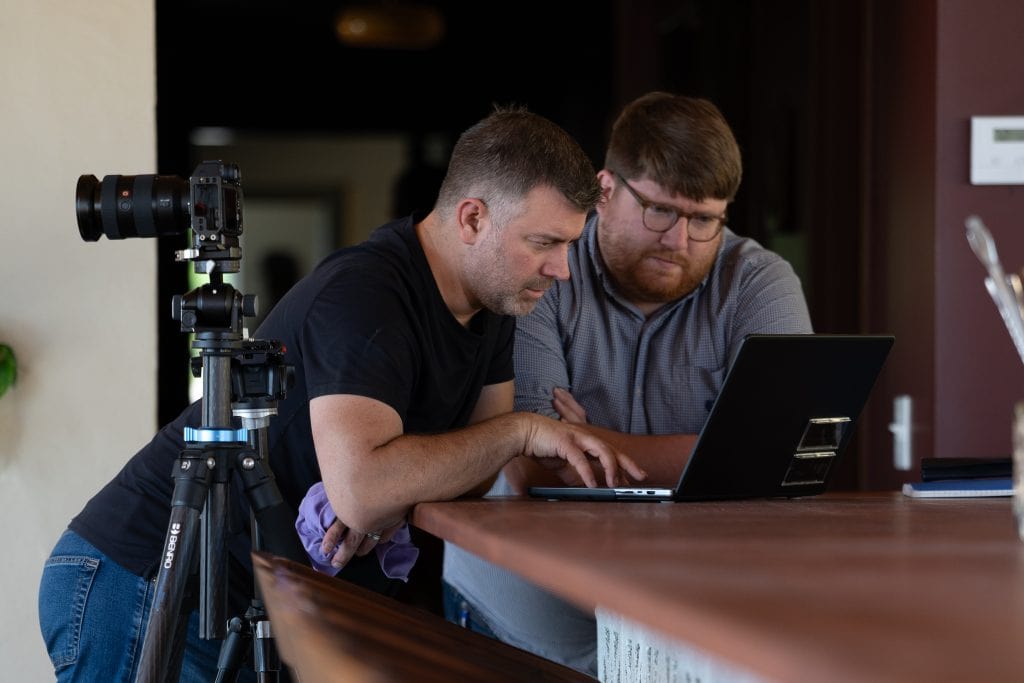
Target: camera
{"x":210,"y":203}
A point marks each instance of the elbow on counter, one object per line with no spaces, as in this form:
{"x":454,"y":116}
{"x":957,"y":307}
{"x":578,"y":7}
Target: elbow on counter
{"x":364,"y":508}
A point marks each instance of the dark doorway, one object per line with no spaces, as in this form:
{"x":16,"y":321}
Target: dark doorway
{"x":787,"y":75}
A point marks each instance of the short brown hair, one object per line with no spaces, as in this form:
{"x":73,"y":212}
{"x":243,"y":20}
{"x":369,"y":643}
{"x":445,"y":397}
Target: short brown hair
{"x":682,"y":143}
{"x":504,"y":156}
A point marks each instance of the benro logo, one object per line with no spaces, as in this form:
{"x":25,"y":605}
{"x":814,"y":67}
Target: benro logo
{"x":172,"y":545}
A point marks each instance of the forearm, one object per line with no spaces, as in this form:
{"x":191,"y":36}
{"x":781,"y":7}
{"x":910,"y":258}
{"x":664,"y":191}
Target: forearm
{"x":378,"y":490}
{"x":374,"y":474}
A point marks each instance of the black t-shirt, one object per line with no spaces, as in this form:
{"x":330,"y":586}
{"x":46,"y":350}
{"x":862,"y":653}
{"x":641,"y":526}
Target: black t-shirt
{"x":368,"y":321}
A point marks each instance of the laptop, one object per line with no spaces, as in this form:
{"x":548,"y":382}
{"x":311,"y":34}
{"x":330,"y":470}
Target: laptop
{"x":786,"y":412}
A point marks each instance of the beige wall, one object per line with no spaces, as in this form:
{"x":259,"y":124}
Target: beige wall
{"x":77,"y":93}
{"x":78,"y":97}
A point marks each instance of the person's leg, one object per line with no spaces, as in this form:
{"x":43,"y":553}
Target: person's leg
{"x":459,"y":611}
{"x":92,"y":613}
{"x":199,"y":663}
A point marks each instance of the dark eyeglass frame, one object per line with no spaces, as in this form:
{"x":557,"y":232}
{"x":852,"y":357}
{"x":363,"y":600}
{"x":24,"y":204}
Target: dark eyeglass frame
{"x":646,"y":205}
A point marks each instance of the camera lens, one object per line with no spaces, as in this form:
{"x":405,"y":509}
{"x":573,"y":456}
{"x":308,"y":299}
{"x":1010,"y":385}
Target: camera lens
{"x":131,"y":206}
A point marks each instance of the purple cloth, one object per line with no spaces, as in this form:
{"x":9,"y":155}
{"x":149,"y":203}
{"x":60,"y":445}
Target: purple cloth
{"x":316,"y":516}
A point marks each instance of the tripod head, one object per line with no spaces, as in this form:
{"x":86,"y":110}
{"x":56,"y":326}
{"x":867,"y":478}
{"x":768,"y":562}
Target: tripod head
{"x":210,"y":204}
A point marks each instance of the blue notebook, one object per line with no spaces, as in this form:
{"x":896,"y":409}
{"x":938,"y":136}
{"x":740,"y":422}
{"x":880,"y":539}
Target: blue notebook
{"x":959,"y":488}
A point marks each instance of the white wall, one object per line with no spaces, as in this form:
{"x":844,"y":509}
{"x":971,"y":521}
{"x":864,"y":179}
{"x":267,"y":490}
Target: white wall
{"x":77,"y":95}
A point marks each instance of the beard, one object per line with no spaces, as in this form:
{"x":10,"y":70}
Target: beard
{"x":652,"y":275}
{"x":506,"y":301}
{"x":496,"y":288}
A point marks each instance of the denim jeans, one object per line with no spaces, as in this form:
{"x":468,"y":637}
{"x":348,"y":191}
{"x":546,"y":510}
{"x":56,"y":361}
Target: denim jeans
{"x":93,"y":615}
{"x":459,"y":611}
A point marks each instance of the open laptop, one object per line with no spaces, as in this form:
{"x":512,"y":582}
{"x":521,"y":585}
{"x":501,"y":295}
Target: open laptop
{"x":786,"y":412}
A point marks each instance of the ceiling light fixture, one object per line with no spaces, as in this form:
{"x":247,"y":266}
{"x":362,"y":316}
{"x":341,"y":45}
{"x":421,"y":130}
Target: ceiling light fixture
{"x":394,"y":25}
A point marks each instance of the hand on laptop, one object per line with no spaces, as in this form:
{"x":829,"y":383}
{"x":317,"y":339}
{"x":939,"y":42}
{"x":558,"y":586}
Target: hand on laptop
{"x":570,"y":410}
{"x":567,"y":449}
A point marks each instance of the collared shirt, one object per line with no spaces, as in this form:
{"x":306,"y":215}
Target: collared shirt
{"x":657,"y":374}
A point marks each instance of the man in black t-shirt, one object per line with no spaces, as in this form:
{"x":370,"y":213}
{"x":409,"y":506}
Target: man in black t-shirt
{"x":402,"y":349}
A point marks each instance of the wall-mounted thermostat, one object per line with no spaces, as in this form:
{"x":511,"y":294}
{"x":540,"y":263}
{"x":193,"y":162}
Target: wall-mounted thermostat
{"x":997,"y":150}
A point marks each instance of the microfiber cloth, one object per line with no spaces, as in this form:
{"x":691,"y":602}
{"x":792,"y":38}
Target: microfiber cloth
{"x":316,"y":516}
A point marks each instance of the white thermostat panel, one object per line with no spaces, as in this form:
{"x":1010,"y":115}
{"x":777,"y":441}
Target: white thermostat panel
{"x":997,"y":150}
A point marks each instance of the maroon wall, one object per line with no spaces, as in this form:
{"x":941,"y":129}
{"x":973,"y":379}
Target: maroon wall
{"x":978,"y":375}
{"x":932,"y":66}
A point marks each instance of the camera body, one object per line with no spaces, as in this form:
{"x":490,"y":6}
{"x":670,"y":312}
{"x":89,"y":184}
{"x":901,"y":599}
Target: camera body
{"x":209,"y":203}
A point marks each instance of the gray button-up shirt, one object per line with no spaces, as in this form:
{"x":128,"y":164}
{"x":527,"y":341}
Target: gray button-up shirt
{"x":656,"y":375}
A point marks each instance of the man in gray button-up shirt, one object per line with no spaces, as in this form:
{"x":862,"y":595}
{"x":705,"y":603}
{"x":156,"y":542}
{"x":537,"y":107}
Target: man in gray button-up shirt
{"x":636,"y":343}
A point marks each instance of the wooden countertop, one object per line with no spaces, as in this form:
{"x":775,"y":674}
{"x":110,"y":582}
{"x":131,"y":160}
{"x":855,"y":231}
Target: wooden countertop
{"x":839,"y":587}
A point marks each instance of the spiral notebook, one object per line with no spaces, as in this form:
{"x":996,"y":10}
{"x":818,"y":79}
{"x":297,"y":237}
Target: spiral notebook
{"x":786,"y":412}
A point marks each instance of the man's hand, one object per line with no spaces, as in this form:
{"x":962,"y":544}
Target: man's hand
{"x":563,"y":445}
{"x":567,"y":407}
{"x":346,"y":542}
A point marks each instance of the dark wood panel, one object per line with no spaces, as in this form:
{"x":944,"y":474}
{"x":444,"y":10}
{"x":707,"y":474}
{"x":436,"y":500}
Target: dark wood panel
{"x":331,"y":630}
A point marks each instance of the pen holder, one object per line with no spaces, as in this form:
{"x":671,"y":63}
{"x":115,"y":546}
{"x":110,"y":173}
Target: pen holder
{"x":1018,"y":466}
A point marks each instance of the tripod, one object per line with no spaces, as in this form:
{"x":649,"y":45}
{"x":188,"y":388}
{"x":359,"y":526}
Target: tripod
{"x":243,"y":379}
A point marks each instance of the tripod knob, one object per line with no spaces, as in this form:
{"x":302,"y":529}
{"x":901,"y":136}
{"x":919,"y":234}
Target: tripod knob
{"x":177,"y":311}
{"x":250,"y":306}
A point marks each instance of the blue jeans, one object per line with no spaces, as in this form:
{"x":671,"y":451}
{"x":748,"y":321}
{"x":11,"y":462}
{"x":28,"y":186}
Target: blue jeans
{"x":93,"y":615}
{"x":459,"y":611}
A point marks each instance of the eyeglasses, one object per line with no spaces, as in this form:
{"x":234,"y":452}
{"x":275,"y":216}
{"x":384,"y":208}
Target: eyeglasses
{"x":700,"y":227}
